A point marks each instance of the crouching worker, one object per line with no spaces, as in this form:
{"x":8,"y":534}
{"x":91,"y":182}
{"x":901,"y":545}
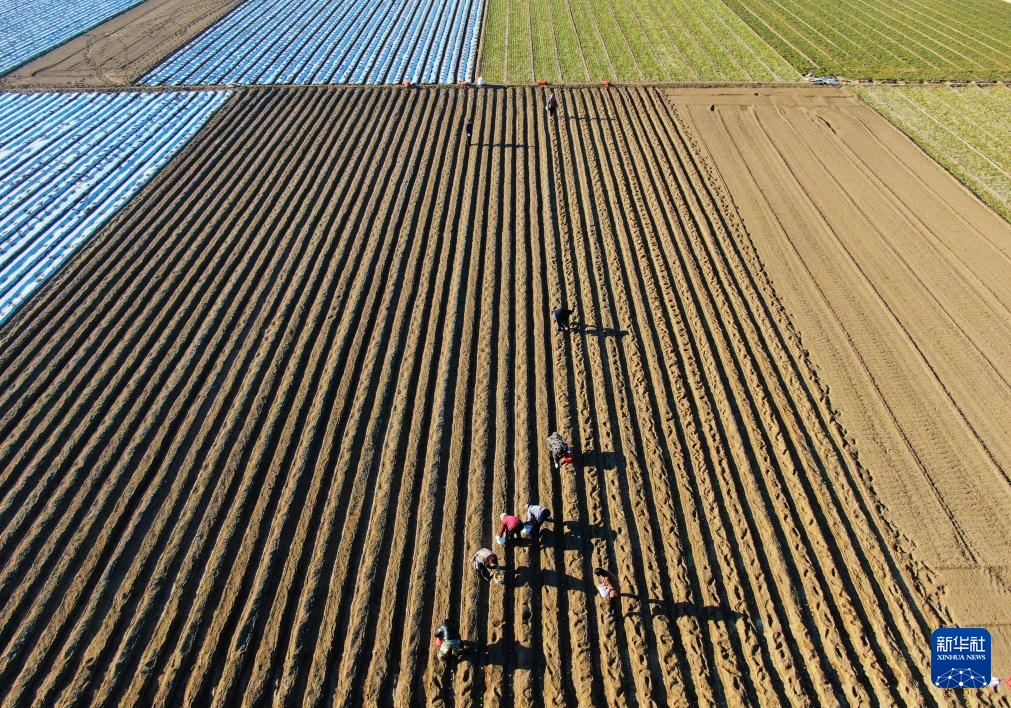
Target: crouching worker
{"x":536,"y":516}
{"x":509,"y":528}
{"x":447,"y":639}
{"x":485,"y":562}
{"x":560,"y":316}
{"x":607,"y":588}
{"x":559,"y":450}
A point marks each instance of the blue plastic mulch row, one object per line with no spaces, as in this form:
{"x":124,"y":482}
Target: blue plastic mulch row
{"x":327,"y":42}
{"x":69,"y":161}
{"x":30,"y":27}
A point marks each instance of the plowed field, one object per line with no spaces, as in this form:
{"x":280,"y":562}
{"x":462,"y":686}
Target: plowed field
{"x":900,"y":281}
{"x":254,"y":430}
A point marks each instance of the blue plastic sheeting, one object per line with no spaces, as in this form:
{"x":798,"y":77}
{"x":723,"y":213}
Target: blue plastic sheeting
{"x":69,"y":161}
{"x":328,"y":42}
{"x":30,"y":27}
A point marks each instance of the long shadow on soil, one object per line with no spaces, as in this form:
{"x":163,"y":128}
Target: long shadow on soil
{"x":504,"y":146}
{"x":506,"y":653}
{"x":601,"y":459}
{"x":594,"y":330}
{"x":703,"y":613}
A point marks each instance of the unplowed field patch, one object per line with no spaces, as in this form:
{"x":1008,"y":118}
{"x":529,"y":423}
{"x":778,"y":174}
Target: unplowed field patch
{"x":254,"y":432}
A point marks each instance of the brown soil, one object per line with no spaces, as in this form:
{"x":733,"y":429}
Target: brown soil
{"x":122,"y":49}
{"x":254,"y":430}
{"x":900,"y":281}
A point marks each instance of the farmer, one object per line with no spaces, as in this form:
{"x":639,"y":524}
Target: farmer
{"x":485,"y":562}
{"x":536,"y":516}
{"x":559,"y":450}
{"x":551,"y":105}
{"x":560,"y":316}
{"x":607,"y":588}
{"x":509,"y":527}
{"x":468,"y":128}
{"x":447,"y":639}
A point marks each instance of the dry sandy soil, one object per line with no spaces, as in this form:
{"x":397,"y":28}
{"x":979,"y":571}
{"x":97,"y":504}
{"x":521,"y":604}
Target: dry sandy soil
{"x":122,"y":49}
{"x":900,"y":281}
{"x":253,"y":432}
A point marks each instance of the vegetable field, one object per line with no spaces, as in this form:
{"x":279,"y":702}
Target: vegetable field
{"x":30,"y":28}
{"x":69,"y":161}
{"x":320,"y":42}
{"x":919,"y":39}
{"x":966,"y":129}
{"x":631,"y":40}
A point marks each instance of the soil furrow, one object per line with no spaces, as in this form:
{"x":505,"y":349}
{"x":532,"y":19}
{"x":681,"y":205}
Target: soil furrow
{"x":255,"y":431}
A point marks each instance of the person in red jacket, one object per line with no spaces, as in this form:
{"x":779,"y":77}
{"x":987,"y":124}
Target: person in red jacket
{"x":509,"y":527}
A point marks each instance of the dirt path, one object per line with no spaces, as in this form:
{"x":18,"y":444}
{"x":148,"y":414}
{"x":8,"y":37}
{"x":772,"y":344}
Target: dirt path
{"x":900,"y":281}
{"x":272,"y":409}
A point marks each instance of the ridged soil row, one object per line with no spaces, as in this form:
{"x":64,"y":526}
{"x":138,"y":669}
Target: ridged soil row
{"x":337,"y":291}
{"x":654,"y":586}
{"x":281,"y":342}
{"x":254,"y":433}
{"x":364,"y":608}
{"x":592,"y":527}
{"x":140,"y":607}
{"x":385,"y":618}
{"x":247,"y":279}
{"x":891,"y":613}
{"x":376,"y":310}
{"x":80,"y":498}
{"x":721,"y":659}
{"x":406,"y":261}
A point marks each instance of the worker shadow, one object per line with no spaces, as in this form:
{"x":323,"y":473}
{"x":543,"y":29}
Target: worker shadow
{"x":574,"y":535}
{"x":703,"y":613}
{"x":509,"y":654}
{"x":604,"y":459}
{"x":526,"y":576}
{"x":594,"y":330}
{"x":589,"y":119}
{"x":446,"y":671}
{"x":504,"y":146}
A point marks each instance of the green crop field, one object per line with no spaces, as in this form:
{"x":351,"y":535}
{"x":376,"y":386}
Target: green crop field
{"x":624,"y":40}
{"x":885,"y":39}
{"x":966,"y":129}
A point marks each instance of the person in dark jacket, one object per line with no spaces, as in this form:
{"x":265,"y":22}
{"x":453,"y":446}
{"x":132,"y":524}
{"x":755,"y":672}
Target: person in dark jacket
{"x":537,"y":515}
{"x":560,"y":316}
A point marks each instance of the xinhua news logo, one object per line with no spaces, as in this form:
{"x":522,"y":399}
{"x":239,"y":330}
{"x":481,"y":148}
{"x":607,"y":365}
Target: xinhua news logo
{"x":960,"y":658}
